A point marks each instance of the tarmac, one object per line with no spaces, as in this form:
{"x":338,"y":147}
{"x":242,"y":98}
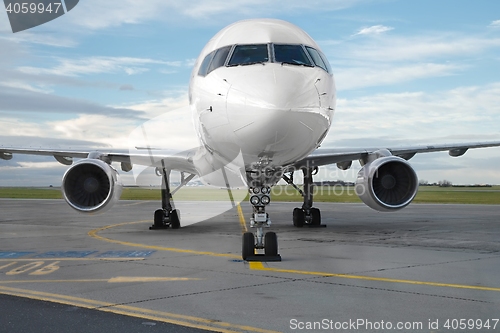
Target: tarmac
{"x":427,"y":268}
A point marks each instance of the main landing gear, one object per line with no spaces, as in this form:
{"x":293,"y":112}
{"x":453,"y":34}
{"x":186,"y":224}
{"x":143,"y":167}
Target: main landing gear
{"x":307,"y":216}
{"x":259,"y":198}
{"x":168,"y":216}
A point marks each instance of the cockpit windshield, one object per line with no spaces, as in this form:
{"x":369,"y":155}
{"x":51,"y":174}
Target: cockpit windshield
{"x":291,"y":54}
{"x":318,"y":59}
{"x":249,"y":55}
{"x":242,"y":55}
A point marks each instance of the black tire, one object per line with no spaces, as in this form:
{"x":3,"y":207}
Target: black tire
{"x":248,"y":245}
{"x":271,"y":244}
{"x":316,"y":216}
{"x":298,"y":218}
{"x":175,"y":221}
{"x":159,"y":218}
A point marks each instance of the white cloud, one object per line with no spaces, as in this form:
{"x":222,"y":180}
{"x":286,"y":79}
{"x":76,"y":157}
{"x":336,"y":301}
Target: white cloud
{"x":374,"y":30}
{"x":190,"y":62}
{"x":39,"y":165}
{"x":171,"y":116}
{"x":371,"y":76}
{"x":204,"y":8}
{"x":495,"y":24}
{"x":413,"y":48}
{"x":468,"y":111}
{"x":135,"y":70}
{"x":41,"y":38}
{"x":95,"y":14}
{"x":154,"y":108}
{"x":25,"y":86}
{"x":173,"y":129}
{"x":96,"y":127}
{"x":12,"y":127}
{"x":392,"y":59}
{"x":167,"y":71}
{"x":17,"y":100}
{"x":97,"y":65}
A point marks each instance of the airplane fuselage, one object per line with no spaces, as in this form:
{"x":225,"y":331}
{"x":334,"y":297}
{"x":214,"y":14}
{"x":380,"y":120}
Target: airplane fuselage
{"x":262,"y":88}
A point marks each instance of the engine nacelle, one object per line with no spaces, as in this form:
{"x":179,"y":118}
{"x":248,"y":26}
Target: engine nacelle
{"x":387,"y":184}
{"x":91,"y":186}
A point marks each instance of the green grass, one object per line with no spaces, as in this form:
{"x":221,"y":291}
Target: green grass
{"x":184,"y":194}
{"x":467,"y":195}
{"x":426,"y":194}
{"x":30,"y":193}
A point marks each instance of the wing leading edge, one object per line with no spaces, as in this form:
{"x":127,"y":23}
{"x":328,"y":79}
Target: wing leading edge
{"x":330,"y":156}
{"x":180,"y":161}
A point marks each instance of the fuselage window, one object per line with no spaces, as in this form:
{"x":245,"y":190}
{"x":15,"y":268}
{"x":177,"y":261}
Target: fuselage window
{"x":249,"y":55}
{"x":316,"y":57}
{"x":205,"y":63}
{"x":291,"y":54}
{"x":219,"y":58}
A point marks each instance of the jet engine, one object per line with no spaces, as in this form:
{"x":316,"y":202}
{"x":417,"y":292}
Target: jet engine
{"x":91,"y":186}
{"x":387,"y":184}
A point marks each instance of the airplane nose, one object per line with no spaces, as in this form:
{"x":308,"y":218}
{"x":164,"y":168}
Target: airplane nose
{"x":274,"y":110}
{"x":275,"y":87}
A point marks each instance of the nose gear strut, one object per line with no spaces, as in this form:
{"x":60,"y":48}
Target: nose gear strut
{"x":259,"y":198}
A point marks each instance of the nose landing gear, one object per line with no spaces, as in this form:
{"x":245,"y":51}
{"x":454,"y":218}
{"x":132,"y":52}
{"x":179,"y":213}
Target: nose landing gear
{"x":259,"y":198}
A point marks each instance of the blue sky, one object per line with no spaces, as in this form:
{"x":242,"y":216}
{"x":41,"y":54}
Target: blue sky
{"x":407,"y":72}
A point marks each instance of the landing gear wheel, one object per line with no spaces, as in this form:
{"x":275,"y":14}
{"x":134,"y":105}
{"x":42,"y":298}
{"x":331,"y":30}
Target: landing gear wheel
{"x":271,"y":244}
{"x":315,"y":216}
{"x":159,"y":218}
{"x":298,"y":217}
{"x":248,"y":245}
{"x":175,"y":222}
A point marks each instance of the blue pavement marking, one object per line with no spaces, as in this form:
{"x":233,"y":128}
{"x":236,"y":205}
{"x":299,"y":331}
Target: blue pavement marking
{"x":65,"y":254}
{"x":13,"y":255}
{"x":125,"y":254}
{"x":77,"y":254}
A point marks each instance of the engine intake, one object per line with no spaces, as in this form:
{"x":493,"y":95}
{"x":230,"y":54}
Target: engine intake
{"x":91,"y":186}
{"x":387,"y":184}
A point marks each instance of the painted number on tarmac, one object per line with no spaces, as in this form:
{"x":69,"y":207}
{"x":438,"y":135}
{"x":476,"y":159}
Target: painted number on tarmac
{"x":32,"y":268}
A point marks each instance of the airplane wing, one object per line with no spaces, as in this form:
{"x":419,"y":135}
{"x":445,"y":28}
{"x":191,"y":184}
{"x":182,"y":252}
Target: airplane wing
{"x":91,"y":185}
{"x":330,"y":156}
{"x":181,"y":161}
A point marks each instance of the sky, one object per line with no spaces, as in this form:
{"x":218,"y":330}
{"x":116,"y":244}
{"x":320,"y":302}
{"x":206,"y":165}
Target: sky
{"x":407,"y":73}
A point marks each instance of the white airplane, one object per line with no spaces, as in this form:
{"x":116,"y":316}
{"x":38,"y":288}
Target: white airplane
{"x":262,"y":93}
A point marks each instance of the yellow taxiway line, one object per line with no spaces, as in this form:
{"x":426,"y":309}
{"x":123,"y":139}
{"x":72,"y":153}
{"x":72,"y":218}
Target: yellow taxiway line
{"x":243,"y":224}
{"x":260,"y":267}
{"x":94,"y":234}
{"x":166,"y":317}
